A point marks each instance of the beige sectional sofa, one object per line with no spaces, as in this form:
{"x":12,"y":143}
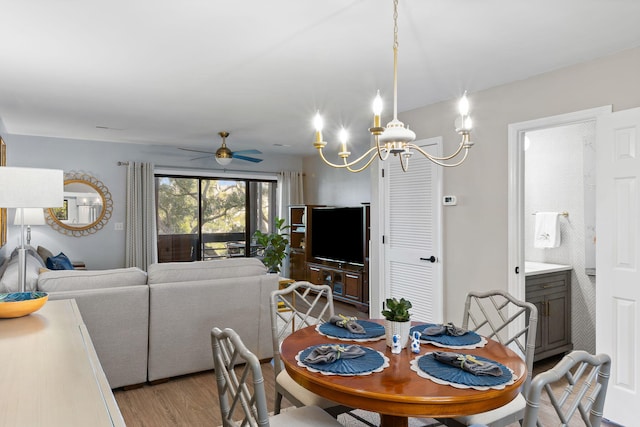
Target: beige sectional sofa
{"x":147,"y":327}
{"x":188,"y":299}
{"x":115,"y":308}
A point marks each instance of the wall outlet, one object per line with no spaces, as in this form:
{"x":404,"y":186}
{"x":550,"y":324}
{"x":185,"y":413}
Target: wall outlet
{"x":119,"y":226}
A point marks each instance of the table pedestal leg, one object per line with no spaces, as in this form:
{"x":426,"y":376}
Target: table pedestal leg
{"x":393,"y":421}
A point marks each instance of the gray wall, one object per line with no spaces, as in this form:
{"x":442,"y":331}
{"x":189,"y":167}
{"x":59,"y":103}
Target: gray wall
{"x":475,"y":231}
{"x":324,"y":185}
{"x":105,"y":249}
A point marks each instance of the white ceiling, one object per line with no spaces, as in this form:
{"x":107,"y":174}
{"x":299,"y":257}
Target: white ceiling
{"x":178,"y":72}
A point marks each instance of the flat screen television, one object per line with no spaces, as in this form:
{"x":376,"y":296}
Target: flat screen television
{"x":337,"y":234}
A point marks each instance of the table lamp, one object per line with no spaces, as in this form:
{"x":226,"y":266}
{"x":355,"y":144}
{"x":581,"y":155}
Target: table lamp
{"x":31,"y":216}
{"x":22,"y":188}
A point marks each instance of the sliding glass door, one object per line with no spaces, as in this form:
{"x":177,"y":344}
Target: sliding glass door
{"x":201,"y":218}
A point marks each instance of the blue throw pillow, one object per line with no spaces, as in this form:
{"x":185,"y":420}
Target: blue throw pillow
{"x":59,"y":262}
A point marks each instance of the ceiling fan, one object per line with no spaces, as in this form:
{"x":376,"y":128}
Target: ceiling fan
{"x":224,"y":155}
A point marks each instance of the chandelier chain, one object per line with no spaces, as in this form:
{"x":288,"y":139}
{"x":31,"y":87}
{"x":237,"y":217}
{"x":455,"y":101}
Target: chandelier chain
{"x":395,"y":24}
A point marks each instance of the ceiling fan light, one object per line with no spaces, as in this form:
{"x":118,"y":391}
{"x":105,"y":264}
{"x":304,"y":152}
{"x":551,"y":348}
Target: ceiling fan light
{"x":224,"y":161}
{"x":224,"y":155}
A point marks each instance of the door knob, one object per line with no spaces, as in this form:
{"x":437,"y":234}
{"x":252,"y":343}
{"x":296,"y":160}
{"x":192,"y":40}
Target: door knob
{"x":430,"y":259}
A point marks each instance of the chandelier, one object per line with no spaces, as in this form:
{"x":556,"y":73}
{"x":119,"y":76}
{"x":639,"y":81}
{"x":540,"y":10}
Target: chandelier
{"x":395,"y":138}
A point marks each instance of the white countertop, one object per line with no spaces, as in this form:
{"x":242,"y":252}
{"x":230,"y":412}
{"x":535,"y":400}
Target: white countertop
{"x":532,"y":268}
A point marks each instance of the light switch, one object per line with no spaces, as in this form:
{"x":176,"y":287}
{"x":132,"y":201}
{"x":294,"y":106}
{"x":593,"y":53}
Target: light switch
{"x":449,"y":200}
{"x":119,"y":226}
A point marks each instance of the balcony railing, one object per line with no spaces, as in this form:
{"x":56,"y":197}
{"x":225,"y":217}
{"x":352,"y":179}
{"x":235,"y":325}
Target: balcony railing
{"x":182,"y":247}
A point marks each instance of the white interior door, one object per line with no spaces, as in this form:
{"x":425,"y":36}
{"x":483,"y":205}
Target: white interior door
{"x":618,"y":259}
{"x":413,"y":232}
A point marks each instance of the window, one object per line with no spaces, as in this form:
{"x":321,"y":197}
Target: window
{"x":201,"y":218}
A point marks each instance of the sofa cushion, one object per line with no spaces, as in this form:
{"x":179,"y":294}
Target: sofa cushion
{"x":30,"y":251}
{"x":59,"y":262}
{"x":44,"y":253}
{"x":9,"y":279}
{"x":71,"y":280}
{"x":170,"y":272}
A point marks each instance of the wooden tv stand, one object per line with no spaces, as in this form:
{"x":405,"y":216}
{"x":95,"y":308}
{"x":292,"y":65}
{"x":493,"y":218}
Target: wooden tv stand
{"x":350,"y":283}
{"x":346,"y":281}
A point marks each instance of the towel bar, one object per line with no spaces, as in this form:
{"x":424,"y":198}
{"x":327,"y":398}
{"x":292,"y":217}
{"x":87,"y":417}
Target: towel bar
{"x":565,"y":213}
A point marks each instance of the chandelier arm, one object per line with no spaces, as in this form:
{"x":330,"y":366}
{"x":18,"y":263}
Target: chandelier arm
{"x":382,"y":157}
{"x":405,"y":163}
{"x":324,"y":159}
{"x":371,"y":159}
{"x":346,"y":164}
{"x":432,"y":157}
{"x":439,"y":161}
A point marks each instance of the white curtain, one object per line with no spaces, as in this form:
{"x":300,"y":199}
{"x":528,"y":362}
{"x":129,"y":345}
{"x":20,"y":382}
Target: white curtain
{"x":141,"y":248}
{"x":290,"y":192}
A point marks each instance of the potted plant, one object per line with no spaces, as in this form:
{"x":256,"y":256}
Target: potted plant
{"x":273,"y":245}
{"x":397,"y":320}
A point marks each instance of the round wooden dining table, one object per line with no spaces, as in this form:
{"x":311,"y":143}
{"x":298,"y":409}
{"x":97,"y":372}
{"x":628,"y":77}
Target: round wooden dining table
{"x":398,"y":392}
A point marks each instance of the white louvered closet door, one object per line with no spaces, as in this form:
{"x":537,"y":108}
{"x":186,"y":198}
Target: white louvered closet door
{"x":413,"y":232}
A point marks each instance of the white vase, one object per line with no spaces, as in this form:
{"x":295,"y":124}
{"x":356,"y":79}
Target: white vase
{"x":392,"y":328}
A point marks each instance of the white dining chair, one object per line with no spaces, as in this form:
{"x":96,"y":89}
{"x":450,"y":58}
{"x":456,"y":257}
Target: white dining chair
{"x":582,"y":379}
{"x":297,"y":306}
{"x":499,"y":316}
{"x":241,"y":393}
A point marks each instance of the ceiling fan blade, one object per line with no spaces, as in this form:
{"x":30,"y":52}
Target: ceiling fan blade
{"x":253,"y":151}
{"x":249,"y":159}
{"x":203,"y":157}
{"x":196,"y":151}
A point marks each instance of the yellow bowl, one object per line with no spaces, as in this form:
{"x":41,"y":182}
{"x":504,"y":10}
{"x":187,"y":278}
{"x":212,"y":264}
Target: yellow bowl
{"x":18,"y":304}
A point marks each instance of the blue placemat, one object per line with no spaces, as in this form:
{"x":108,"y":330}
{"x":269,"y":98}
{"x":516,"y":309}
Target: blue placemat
{"x":372,"y":330}
{"x":469,"y":338}
{"x":366,"y":363}
{"x":431,"y":366}
{"x":21,"y":296}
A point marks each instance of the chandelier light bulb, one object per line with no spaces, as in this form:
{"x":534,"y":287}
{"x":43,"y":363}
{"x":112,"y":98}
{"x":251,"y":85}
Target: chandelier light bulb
{"x":463,"y":105}
{"x":377,"y":110}
{"x":377,"y":104}
{"x":317,"y":122}
{"x":468,"y":123}
{"x":344,"y":137}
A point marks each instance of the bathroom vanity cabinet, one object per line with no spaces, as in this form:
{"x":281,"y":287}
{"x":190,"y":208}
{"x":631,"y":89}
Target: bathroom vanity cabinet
{"x":550,"y":291}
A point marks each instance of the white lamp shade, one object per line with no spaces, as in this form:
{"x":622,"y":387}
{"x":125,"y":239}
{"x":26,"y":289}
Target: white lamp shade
{"x":32,"y":216}
{"x":31,"y":188}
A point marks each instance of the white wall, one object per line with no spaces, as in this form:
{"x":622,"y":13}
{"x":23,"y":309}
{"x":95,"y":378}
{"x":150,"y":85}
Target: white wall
{"x":105,"y":249}
{"x":558,"y":166}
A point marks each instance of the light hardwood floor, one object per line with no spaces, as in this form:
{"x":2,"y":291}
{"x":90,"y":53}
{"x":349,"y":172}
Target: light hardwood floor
{"x":192,"y":400}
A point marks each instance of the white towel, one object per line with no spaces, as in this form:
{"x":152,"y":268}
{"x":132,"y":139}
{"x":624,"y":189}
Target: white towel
{"x":547,"y":230}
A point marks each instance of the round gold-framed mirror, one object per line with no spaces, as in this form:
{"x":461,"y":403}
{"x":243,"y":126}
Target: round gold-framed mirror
{"x":87,"y":206}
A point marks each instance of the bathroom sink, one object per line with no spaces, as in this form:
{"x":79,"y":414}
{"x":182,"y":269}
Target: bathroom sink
{"x":532,"y":268}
